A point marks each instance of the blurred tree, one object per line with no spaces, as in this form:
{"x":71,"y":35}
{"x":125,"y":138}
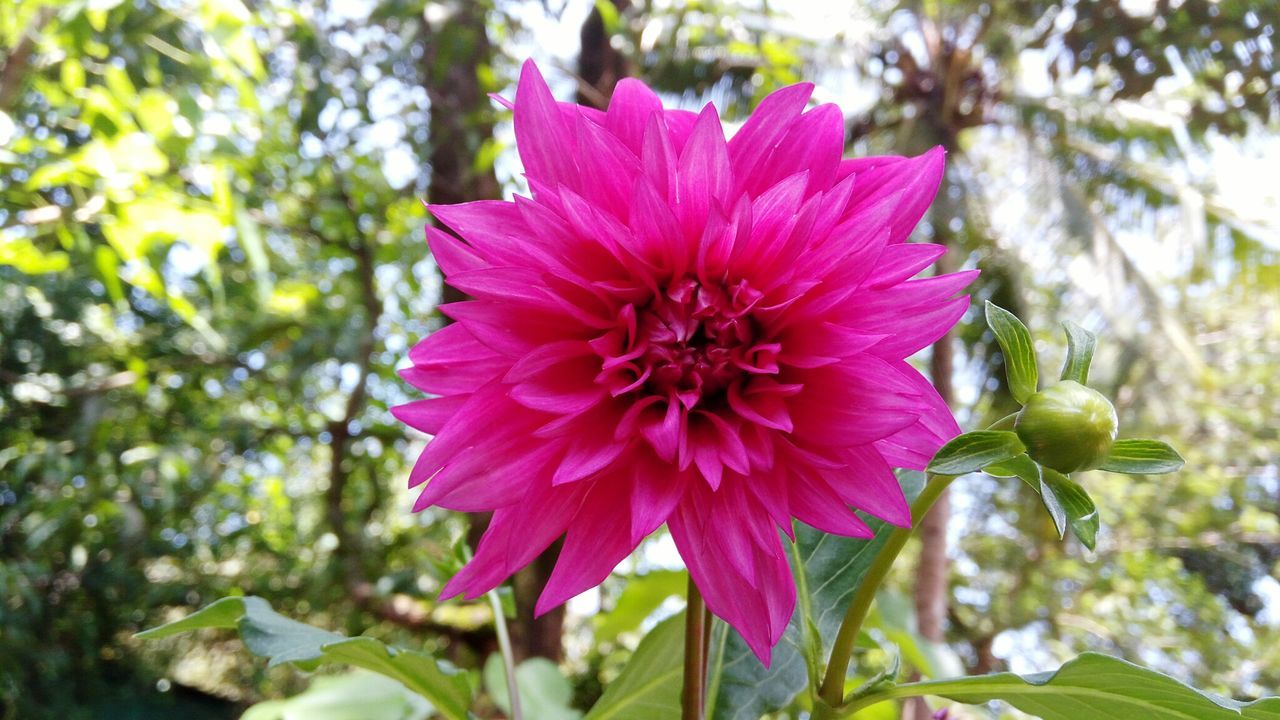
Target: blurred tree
{"x":1110,"y":107}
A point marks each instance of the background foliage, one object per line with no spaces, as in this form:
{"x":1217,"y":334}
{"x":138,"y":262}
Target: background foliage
{"x":211,"y":262}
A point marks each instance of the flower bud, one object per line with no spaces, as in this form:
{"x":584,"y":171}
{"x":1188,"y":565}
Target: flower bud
{"x":1067,"y":427}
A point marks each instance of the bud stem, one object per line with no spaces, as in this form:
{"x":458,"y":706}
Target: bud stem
{"x":832,"y":691}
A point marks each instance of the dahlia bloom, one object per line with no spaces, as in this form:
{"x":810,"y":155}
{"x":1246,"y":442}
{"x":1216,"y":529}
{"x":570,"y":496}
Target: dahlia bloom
{"x":680,"y":329}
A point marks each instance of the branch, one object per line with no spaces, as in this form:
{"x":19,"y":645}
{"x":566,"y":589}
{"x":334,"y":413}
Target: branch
{"x":14,"y":71}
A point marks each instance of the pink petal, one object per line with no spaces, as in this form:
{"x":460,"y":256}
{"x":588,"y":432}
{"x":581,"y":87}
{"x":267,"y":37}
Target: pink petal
{"x":869,"y":484}
{"x":658,"y":158}
{"x":916,"y":178}
{"x":814,"y":142}
{"x":632,"y":107}
{"x":762,"y":132}
{"x":598,"y":539}
{"x":429,"y":415}
{"x":759,"y":615}
{"x":547,"y":146}
{"x":680,"y":126}
{"x":451,"y":361}
{"x":816,"y":504}
{"x":516,"y":535}
{"x":655,"y":491}
{"x":914,"y":446}
{"x":704,"y":173}
{"x":902,"y":261}
{"x":451,"y":254}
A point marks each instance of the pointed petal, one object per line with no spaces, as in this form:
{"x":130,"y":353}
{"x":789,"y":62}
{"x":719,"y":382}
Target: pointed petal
{"x":917,"y":179}
{"x":598,"y":539}
{"x":632,"y":107}
{"x":762,"y":132}
{"x":516,"y":535}
{"x":546,"y":144}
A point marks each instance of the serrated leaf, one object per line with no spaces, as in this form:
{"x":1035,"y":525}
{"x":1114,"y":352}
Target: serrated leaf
{"x":1094,"y":687}
{"x":1019,"y":351}
{"x":268,"y":634}
{"x":1082,"y":514}
{"x":1142,"y":457}
{"x":975,"y":450}
{"x":650,"y":684}
{"x":739,"y":687}
{"x":1080,"y":345}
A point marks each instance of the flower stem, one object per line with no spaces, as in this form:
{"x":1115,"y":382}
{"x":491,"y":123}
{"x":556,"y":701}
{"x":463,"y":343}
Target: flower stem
{"x":508,"y":657}
{"x":832,"y":692}
{"x":695,"y":656}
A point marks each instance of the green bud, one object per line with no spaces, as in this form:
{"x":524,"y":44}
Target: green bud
{"x":1067,"y":427}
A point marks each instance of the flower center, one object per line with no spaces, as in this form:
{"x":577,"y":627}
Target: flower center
{"x":689,"y":343}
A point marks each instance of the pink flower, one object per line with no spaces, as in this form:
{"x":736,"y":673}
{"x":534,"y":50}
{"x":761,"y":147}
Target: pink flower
{"x":683,"y":330}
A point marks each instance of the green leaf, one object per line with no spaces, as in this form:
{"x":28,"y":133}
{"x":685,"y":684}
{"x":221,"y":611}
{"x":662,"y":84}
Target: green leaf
{"x":1080,"y":345}
{"x":1082,"y":514}
{"x":975,"y":450}
{"x":1142,"y":457}
{"x":640,"y":598}
{"x":544,"y":691}
{"x":268,"y":634}
{"x":1019,"y":466}
{"x":22,"y":254}
{"x":1019,"y":351}
{"x":362,"y":695}
{"x":1026,"y":469}
{"x":609,"y":16}
{"x":739,"y":687}
{"x":1091,"y":687}
{"x":1059,"y":514}
{"x":650,"y":684}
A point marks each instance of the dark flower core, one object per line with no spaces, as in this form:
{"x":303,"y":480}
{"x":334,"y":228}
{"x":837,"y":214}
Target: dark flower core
{"x":689,"y":344}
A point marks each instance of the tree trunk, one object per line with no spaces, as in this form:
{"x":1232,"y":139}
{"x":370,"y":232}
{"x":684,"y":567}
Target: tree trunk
{"x":461,"y":121}
{"x":600,"y":65}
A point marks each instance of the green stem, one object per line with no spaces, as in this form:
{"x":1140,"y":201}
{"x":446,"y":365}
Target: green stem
{"x":508,"y":657}
{"x":1004,"y":423}
{"x":832,"y":692}
{"x":693,"y":699}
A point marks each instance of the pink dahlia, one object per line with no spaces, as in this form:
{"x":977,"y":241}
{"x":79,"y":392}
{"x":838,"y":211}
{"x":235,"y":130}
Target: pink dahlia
{"x":680,"y":329}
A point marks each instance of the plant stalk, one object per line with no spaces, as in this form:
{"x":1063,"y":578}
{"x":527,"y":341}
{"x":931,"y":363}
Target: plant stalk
{"x":832,"y":691}
{"x":508,"y":657}
{"x":693,"y":698}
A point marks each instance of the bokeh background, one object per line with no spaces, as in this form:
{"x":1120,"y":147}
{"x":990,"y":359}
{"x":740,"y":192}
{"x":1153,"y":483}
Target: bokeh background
{"x":212,"y":262}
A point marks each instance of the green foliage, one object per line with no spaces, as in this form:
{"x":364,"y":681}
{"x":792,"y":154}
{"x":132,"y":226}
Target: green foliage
{"x":974,"y":450}
{"x":1080,"y":347}
{"x":642,"y":595}
{"x":1091,"y":686}
{"x":354,"y":696}
{"x":544,"y":692}
{"x":1081,"y":514}
{"x":282,"y":640}
{"x":649,"y":686}
{"x":1019,"y":351}
{"x":1142,"y":457}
